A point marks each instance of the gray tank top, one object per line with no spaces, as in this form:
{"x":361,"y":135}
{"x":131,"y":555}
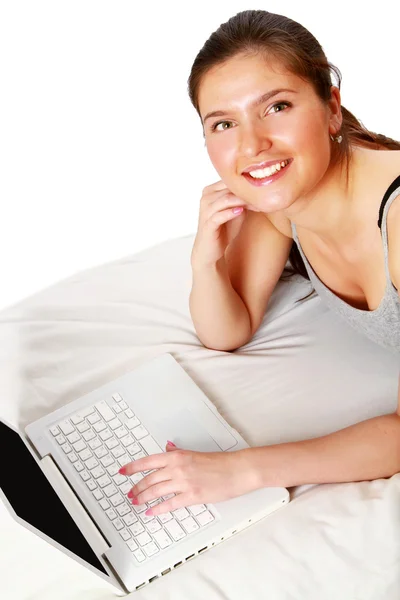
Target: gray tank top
{"x":383,"y":324}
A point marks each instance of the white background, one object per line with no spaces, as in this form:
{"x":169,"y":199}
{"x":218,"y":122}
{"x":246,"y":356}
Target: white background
{"x":101,"y":151}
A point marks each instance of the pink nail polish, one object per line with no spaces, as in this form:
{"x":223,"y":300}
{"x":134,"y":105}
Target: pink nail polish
{"x":149,"y":512}
{"x":171,"y":443}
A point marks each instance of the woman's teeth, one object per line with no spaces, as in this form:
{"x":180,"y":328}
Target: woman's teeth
{"x":262,"y":173}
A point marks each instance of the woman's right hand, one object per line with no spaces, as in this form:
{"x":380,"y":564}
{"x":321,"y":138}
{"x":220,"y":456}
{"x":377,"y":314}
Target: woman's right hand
{"x":218,"y":224}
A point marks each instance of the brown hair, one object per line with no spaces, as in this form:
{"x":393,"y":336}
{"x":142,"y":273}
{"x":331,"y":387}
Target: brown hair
{"x":258,"y":32}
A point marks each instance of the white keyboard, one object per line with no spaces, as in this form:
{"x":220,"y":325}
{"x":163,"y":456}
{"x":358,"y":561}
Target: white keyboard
{"x":98,"y":441}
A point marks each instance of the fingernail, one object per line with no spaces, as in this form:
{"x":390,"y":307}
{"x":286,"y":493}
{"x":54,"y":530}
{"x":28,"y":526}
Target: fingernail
{"x":149,"y":512}
{"x":237,"y":210}
{"x":130,"y":495}
{"x":122,"y":471}
{"x":171,"y":443}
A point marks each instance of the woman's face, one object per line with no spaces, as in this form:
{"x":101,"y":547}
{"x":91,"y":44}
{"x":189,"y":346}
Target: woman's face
{"x":248,"y":134}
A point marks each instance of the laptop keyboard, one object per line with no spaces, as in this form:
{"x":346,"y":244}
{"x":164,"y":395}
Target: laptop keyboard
{"x":98,"y":440}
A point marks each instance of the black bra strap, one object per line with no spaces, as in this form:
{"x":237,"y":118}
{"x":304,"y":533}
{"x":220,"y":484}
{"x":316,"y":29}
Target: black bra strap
{"x":389,"y":192}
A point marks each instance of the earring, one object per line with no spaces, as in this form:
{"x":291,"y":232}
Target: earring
{"x":337,"y":139}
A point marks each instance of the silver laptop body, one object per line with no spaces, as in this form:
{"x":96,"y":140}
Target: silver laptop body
{"x":141,"y":410}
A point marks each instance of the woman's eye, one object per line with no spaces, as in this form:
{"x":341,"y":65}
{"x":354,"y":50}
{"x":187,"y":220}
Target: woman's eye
{"x":280,"y":104}
{"x":214,"y":127}
{"x":285,"y":104}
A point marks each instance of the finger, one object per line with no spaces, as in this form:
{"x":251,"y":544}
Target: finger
{"x":149,"y":480}
{"x":214,"y":187}
{"x":155,"y":461}
{"x":156,"y":491}
{"x":178,"y":501}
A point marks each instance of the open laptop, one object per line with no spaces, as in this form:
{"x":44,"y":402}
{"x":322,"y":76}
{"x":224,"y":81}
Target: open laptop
{"x":71,"y":457}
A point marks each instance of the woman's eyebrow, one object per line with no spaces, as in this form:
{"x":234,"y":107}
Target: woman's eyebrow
{"x":257,"y":102}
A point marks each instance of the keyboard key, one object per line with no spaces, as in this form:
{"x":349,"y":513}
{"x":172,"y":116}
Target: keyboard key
{"x":133,"y":422}
{"x":91,"y":463}
{"x":79,"y":446}
{"x":116,"y":500}
{"x":129,"y":413}
{"x":124,"y":405}
{"x":124,"y":533}
{"x":118,"y":524}
{"x":66,"y":427}
{"x":139,"y":432}
{"x":138,"y":554}
{"x":114,"y":423}
{"x":117,"y":408}
{"x":105,"y":435}
{"x":94,"y":444}
{"x":111,"y":443}
{"x":85,"y":475}
{"x":54,"y":430}
{"x":132,"y":545}
{"x":100,"y":426}
{"x":143,"y":538}
{"x":97,"y":472}
{"x":136,"y":528}
{"x":127,"y":440}
{"x":88,"y":435}
{"x":150,"y":445}
{"x":74,"y":437}
{"x":133,"y":448}
{"x":111,"y":514}
{"x":153,"y":526}
{"x":151,"y":548}
{"x":180,"y":513}
{"x":117,"y":397}
{"x":91,"y":485}
{"x":79,"y":466}
{"x":205,"y":517}
{"x":76,"y":419}
{"x":103,"y":481}
{"x":107,"y":460}
{"x":176,"y":531}
{"x":130,"y":519}
{"x":66,"y":447}
{"x":196,"y":509}
{"x":94,"y":418}
{"x":119,"y":479}
{"x":60,"y":439}
{"x":100,"y":452}
{"x":123,"y":510}
{"x":120,"y":432}
{"x":113,"y":469}
{"x":98,"y":494}
{"x":110,"y":490}
{"x":104,"y":503}
{"x":105,"y":410}
{"x":165,"y":517}
{"x":84,"y":426}
{"x":162,"y":538}
{"x":72,"y":457}
{"x":190,"y":525}
{"x":85,"y":454}
{"x":118,"y":451}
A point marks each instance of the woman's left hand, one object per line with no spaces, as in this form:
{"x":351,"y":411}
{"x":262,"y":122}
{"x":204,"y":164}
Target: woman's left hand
{"x":195,"y":478}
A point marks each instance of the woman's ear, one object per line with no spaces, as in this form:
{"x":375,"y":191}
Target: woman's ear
{"x":336,"y":116}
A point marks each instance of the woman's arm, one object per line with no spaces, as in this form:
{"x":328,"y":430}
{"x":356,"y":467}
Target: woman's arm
{"x":365,"y":451}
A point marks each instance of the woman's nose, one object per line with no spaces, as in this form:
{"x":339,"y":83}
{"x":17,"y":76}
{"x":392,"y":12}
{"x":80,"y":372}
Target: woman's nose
{"x":253,"y":140}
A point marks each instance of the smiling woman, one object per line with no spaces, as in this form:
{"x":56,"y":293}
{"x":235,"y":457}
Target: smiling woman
{"x":301,"y":179}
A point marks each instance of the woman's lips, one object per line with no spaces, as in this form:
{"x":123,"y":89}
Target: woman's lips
{"x":269,"y":179}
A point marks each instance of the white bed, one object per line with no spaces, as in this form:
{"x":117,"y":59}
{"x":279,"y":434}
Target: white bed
{"x":304,"y":374}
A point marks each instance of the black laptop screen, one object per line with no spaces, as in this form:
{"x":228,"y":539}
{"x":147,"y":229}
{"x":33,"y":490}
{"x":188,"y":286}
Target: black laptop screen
{"x":34,"y":500}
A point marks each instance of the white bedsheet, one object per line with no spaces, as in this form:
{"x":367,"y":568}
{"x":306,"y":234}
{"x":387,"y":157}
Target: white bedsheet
{"x":304,"y":374}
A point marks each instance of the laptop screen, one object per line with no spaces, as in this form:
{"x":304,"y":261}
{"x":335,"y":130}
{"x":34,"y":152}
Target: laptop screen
{"x":34,"y":500}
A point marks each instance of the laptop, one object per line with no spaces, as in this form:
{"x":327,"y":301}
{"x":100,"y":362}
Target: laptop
{"x":71,"y":458}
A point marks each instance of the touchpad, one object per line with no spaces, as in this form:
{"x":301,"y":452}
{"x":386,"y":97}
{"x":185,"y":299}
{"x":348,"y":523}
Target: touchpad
{"x":182,"y":428}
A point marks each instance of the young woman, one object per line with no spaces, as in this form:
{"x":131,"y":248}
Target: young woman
{"x":301,"y":178}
